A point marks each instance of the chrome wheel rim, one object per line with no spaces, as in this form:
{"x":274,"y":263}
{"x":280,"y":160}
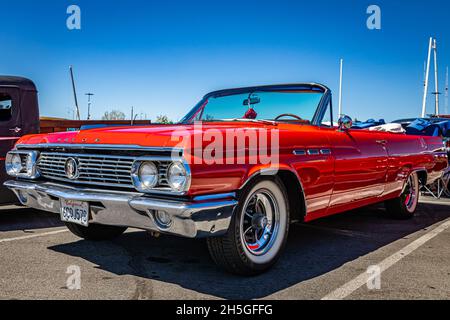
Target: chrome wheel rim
{"x":410,"y":193}
{"x":260,"y":222}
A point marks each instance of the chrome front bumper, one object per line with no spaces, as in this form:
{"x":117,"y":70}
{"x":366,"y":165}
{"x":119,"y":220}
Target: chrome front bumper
{"x":204,"y":217}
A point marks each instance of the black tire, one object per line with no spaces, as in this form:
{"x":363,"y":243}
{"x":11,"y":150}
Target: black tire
{"x":96,"y":232}
{"x":404,"y":207}
{"x":232,"y":251}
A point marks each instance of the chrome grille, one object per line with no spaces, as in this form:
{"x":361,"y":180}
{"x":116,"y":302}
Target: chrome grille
{"x":100,"y":170}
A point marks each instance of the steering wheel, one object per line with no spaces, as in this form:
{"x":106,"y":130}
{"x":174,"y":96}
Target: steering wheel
{"x":288,"y":115}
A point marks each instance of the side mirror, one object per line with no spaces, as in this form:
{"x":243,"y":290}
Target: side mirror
{"x":345,"y":123}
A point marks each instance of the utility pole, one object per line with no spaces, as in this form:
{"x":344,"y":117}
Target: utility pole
{"x":75,"y":93}
{"x":340,"y":87}
{"x":89,"y":95}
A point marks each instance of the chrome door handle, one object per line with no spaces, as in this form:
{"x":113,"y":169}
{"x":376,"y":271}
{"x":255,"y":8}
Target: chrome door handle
{"x":16,"y":129}
{"x":383,"y":142}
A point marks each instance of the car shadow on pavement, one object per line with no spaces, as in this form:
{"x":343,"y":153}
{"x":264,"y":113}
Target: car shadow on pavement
{"x":312,"y":251}
{"x":21,"y":218}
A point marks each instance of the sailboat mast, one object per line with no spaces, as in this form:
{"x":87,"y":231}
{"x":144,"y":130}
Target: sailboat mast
{"x":436,"y":79}
{"x":427,"y":74}
{"x":446,"y":92}
{"x":340,"y":87}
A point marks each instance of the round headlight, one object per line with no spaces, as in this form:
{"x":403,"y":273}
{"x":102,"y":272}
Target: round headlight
{"x":16,"y":164}
{"x":148,"y":175}
{"x":177,"y":176}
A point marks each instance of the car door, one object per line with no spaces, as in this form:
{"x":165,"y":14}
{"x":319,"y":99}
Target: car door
{"x":10,"y":131}
{"x":361,"y":163}
{"x":310,"y":150}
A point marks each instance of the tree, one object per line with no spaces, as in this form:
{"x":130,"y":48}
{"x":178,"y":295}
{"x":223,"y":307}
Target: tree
{"x":163,"y":120}
{"x":114,"y":115}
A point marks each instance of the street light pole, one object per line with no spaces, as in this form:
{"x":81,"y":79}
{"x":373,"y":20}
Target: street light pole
{"x":89,"y":95}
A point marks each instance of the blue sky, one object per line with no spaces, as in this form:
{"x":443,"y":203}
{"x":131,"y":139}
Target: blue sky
{"x":162,"y":57}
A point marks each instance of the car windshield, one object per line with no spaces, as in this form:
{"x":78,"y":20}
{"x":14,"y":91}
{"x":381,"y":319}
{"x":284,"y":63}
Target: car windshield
{"x":257,"y":105}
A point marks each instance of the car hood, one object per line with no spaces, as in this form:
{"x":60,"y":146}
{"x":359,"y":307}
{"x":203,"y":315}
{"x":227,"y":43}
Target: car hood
{"x":146,"y":136}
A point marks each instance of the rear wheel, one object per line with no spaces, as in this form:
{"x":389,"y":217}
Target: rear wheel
{"x":405,"y":206}
{"x":96,"y":232}
{"x":258,"y":230}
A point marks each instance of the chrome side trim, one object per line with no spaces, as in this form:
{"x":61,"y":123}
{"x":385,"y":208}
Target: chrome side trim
{"x":299,"y":152}
{"x":313,"y":152}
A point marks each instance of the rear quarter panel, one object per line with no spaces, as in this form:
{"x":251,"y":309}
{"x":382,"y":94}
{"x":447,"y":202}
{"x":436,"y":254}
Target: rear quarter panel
{"x":409,"y":153}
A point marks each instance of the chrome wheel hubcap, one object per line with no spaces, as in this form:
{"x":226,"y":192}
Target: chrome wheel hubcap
{"x":260,"y":222}
{"x":410,"y":193}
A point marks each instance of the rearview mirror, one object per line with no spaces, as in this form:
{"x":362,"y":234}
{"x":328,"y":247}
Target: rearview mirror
{"x":345,"y":123}
{"x":252,"y":101}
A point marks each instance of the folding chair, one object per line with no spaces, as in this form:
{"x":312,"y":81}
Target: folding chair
{"x":440,"y":188}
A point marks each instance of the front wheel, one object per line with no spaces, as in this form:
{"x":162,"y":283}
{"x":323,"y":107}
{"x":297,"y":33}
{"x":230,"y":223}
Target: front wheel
{"x":405,"y":206}
{"x":96,"y":232}
{"x":258,"y":230}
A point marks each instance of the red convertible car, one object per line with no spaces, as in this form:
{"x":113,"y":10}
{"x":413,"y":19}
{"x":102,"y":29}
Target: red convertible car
{"x":238,"y":170}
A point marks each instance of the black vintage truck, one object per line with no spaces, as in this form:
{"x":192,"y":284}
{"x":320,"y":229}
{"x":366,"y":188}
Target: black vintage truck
{"x":19,"y":115}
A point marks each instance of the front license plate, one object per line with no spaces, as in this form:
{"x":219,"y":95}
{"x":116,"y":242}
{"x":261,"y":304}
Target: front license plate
{"x":75,"y":212}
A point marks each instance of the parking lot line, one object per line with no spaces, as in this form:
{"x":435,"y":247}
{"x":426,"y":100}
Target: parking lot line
{"x":356,"y":283}
{"x":33,"y":236}
{"x":434,"y":201}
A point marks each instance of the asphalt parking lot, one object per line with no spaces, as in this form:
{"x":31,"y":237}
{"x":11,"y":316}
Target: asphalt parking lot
{"x":324,"y":259}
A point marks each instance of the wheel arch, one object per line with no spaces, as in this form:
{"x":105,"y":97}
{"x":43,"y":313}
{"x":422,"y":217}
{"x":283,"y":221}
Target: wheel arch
{"x":422,"y":173}
{"x":293,"y":185}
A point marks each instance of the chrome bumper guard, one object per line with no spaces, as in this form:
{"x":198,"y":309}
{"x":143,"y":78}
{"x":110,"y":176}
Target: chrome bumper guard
{"x":206,"y":217}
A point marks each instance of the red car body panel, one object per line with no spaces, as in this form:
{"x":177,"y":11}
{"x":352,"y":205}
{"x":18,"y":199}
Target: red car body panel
{"x":363,"y":167}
